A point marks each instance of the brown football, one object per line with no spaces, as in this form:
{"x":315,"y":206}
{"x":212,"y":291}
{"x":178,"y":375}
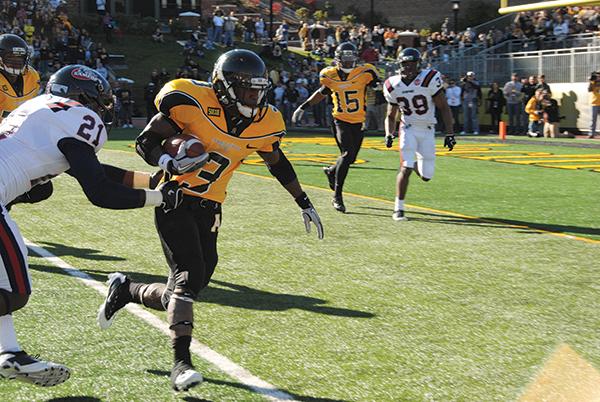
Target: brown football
{"x":172,"y":144}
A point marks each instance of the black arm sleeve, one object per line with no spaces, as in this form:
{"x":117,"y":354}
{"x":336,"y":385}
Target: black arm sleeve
{"x":114,"y":173}
{"x":102,"y":192}
{"x":283,"y":170}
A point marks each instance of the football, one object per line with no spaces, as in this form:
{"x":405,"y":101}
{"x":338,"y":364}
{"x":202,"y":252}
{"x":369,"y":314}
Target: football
{"x":172,"y":144}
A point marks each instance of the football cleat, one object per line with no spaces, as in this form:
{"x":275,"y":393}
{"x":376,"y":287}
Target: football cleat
{"x":399,"y":216}
{"x":338,"y":204}
{"x":117,"y":297}
{"x":21,"y":366}
{"x":184,"y":377}
{"x":330,"y":176}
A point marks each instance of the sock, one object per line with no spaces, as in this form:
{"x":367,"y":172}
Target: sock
{"x":399,"y":205}
{"x":181,"y":347}
{"x":8,"y":336}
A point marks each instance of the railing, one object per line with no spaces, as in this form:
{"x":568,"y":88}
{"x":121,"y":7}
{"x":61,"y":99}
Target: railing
{"x":558,"y":65}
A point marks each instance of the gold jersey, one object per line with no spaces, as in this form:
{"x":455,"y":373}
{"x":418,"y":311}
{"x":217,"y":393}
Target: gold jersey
{"x":194,"y":107}
{"x":12,"y":97}
{"x":348,"y":91}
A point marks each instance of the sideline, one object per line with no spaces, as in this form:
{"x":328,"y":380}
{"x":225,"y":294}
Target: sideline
{"x":443,"y":212}
{"x":243,"y":376}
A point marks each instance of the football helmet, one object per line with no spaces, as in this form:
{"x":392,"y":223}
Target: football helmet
{"x":346,"y":56}
{"x":85,"y":86}
{"x":240,"y":80}
{"x":14,"y":54}
{"x":410,"y":62}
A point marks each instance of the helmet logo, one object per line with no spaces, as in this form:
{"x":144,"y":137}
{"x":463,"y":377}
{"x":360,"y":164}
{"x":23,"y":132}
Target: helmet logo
{"x":84,"y":74}
{"x":19,"y":51}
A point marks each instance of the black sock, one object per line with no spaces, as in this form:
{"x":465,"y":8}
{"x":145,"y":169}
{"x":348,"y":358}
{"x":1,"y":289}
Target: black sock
{"x":181,"y":347}
{"x":135,"y":291}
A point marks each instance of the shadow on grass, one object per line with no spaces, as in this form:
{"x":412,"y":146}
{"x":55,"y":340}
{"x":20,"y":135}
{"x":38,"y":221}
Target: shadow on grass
{"x":74,"y":399}
{"x":163,"y":373}
{"x":232,"y":295}
{"x":61,"y":250}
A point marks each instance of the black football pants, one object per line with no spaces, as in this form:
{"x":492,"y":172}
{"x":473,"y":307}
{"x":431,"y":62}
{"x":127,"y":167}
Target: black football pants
{"x":349,"y":138}
{"x":188,"y":236}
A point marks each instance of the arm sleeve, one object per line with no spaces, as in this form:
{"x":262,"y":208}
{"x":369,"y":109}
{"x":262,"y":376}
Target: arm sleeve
{"x":102,"y":192}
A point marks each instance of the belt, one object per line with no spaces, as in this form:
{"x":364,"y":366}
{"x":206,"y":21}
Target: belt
{"x":199,"y":202}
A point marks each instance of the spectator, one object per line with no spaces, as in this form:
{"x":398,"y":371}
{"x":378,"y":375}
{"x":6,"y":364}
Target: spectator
{"x":248,"y":25}
{"x":495,"y":106}
{"x":125,"y":99}
{"x":542,"y":84}
{"x":101,"y":7}
{"x":534,"y":110}
{"x":290,"y":101}
{"x":278,"y":93}
{"x":369,"y":54}
{"x":303,"y":35}
{"x":229,"y":29}
{"x":594,"y":89}
{"x":259,"y":29}
{"x":218,"y":22}
{"x":550,"y":115}
{"x":453,"y":95}
{"x":150,"y":92}
{"x":514,"y":101}
{"x":157,"y":36}
{"x":529,"y":88}
{"x":471,"y":100}
{"x":108,"y":26}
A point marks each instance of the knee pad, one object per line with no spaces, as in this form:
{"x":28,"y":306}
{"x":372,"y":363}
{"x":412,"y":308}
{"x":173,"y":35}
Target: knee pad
{"x":11,"y":302}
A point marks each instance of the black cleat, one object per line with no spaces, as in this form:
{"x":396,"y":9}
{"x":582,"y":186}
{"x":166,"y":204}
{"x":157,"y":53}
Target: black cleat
{"x":184,"y":377}
{"x":399,"y":216}
{"x":338,"y":204}
{"x":21,"y":366}
{"x":330,"y":176}
{"x":117,"y":297}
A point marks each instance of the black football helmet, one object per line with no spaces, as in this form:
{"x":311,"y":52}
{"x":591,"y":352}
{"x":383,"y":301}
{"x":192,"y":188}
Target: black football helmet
{"x":346,"y":56}
{"x":85,"y":86}
{"x":14,"y":54}
{"x":410,"y":62}
{"x":240,"y":80}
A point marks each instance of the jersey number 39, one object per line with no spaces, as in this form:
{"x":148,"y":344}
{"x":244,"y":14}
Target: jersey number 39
{"x":419,"y":104}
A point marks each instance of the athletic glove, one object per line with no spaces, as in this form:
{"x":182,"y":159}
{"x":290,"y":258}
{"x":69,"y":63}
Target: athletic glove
{"x":182,"y":163}
{"x":309,"y":214}
{"x":449,"y":142}
{"x":172,"y":195}
{"x":389,"y":140}
{"x":298,"y":113}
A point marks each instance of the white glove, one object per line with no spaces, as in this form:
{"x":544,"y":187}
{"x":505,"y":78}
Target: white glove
{"x":310,"y":215}
{"x":298,"y":113}
{"x":182,"y":163}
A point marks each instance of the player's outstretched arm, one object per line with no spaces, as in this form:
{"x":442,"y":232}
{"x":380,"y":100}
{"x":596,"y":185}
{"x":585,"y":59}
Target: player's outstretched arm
{"x":315,"y":98}
{"x":441,"y":103}
{"x":106,"y":193}
{"x":281,"y":168}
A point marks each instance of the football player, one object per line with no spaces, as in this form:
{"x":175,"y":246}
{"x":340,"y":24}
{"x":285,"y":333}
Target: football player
{"x":19,"y":82}
{"x":415,"y":93}
{"x":44,"y":137}
{"x":346,"y":83}
{"x":232,"y":119}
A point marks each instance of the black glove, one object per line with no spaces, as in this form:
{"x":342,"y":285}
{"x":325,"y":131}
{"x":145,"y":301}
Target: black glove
{"x":449,"y":142}
{"x":172,"y":195}
{"x":38,"y":193}
{"x":309,"y":214}
{"x":389,"y":140}
{"x":155,"y":178}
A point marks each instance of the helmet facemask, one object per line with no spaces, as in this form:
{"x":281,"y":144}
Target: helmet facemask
{"x":248,"y":94}
{"x":14,"y":61}
{"x":409,"y":69}
{"x":346,"y":60}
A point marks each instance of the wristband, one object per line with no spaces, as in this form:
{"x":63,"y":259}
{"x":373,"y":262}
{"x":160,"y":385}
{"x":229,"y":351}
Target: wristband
{"x":154,"y":198}
{"x":303,"y":201}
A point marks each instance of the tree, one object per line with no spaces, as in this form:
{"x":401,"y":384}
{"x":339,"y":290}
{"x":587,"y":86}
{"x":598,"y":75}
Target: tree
{"x":303,"y":13}
{"x":320,"y":15}
{"x":349,"y":19}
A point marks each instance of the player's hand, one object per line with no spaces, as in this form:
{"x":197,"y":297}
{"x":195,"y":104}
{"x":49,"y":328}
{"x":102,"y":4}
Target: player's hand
{"x":449,"y":142}
{"x":182,"y":163}
{"x":309,"y":214}
{"x":298,"y":113}
{"x":155,"y":179}
{"x":172,"y":195}
{"x":389,"y":140}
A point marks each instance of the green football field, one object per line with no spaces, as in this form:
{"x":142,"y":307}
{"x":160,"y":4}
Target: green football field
{"x":488,"y":293}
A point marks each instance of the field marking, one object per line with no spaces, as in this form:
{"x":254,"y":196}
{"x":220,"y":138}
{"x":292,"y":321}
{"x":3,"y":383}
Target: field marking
{"x":443,"y":212}
{"x":270,"y":392}
{"x":566,"y":376}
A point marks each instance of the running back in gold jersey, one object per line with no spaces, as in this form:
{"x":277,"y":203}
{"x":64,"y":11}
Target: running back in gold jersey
{"x":194,"y":107}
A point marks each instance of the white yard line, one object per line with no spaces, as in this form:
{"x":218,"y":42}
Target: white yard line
{"x":243,"y":376}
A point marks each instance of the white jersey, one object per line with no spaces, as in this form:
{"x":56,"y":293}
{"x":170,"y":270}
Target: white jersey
{"x":415,"y":99}
{"x":29,"y":138}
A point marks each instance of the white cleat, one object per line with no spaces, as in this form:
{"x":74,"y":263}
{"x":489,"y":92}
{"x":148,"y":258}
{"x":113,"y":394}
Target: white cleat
{"x":116,"y":298}
{"x":399,"y":216}
{"x":21,"y":366}
{"x":184,"y":377}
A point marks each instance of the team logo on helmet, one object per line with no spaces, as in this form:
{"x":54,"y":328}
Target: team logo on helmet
{"x":87,"y":74}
